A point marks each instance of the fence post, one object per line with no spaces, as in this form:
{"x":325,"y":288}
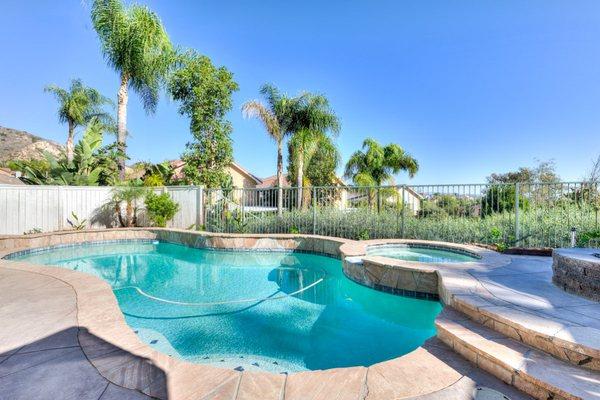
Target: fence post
{"x":403,"y":211}
{"x":59,"y":212}
{"x":314,"y":206}
{"x":199,"y":207}
{"x":517,"y":233}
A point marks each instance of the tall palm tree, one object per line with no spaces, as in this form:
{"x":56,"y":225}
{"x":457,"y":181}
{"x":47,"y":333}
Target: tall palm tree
{"x":280,"y":116}
{"x":376,"y":164}
{"x":78,"y":105}
{"x":316,"y":119}
{"x":136,"y":45}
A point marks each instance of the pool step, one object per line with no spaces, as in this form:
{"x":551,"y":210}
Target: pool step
{"x":532,"y":371}
{"x":552,"y":334}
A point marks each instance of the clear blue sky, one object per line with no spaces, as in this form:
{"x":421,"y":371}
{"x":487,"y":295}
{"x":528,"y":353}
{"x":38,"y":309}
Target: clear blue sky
{"x":468,"y":87}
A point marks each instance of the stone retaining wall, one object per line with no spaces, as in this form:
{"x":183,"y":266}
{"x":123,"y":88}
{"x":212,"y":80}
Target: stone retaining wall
{"x":577,"y":271}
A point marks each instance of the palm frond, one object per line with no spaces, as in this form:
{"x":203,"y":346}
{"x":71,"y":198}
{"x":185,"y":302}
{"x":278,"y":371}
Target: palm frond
{"x":255,"y":109}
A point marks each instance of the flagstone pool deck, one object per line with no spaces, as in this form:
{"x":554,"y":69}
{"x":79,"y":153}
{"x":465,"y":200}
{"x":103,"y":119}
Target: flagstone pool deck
{"x":505,"y":325}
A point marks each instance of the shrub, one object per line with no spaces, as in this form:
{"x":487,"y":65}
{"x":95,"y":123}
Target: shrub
{"x":160,"y":208}
{"x":154,"y":180}
{"x":588,"y":238}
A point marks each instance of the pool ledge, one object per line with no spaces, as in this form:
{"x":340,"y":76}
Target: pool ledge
{"x":409,"y":278}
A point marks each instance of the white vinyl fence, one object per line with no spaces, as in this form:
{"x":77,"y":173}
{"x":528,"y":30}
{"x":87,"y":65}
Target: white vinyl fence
{"x":24,"y":208}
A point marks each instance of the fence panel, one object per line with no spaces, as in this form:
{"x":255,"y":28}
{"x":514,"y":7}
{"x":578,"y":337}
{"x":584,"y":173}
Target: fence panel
{"x":50,"y":208}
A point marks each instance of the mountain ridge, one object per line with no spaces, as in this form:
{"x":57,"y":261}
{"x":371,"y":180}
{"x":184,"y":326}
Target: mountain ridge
{"x":22,"y":145}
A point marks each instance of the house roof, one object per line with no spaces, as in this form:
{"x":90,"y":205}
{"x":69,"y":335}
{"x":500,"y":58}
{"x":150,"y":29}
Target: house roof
{"x":243,"y":171}
{"x":7,"y":178}
{"x":271,"y":181}
{"x":177,"y":166}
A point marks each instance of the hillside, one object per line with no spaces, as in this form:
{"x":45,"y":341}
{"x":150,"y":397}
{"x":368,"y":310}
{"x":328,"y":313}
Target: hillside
{"x":21,"y":145}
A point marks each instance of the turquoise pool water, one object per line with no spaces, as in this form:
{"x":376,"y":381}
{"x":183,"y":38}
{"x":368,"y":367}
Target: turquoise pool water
{"x":420,"y":254}
{"x":274,"y":311}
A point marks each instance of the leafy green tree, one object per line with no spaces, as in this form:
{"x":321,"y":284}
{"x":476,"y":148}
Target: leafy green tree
{"x":77,"y":106}
{"x":107,"y":158}
{"x":542,"y":172}
{"x":320,"y":162}
{"x":136,"y":45}
{"x":204,"y":95}
{"x":315,"y":120}
{"x":280,"y":116}
{"x":160,"y":174}
{"x":376,"y":164}
{"x":502,"y":198}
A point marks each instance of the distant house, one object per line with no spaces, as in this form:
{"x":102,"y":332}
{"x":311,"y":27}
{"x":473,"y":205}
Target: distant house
{"x":8,"y":177}
{"x":241,"y":178}
{"x":406,"y":194}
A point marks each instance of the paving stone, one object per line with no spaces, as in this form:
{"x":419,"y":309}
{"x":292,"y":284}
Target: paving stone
{"x":341,"y":384}
{"x":114,"y":392}
{"x":68,"y":377}
{"x":18,"y":362}
{"x":261,"y":386}
{"x":200,"y":382}
{"x":414,"y":374}
{"x":61,"y":339}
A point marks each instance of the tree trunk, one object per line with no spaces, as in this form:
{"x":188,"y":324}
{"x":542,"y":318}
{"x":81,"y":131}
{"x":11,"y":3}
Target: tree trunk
{"x":299,"y":178}
{"x":279,"y":178}
{"x":129,"y":212}
{"x":122,"y":98}
{"x":70,"y":146}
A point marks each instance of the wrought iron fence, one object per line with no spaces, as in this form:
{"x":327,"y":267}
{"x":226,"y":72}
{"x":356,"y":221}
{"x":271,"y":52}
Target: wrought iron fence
{"x":523,"y":215}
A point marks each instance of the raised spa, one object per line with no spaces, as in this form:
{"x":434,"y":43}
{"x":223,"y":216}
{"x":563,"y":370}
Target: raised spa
{"x":421,"y":253}
{"x":275,"y":311}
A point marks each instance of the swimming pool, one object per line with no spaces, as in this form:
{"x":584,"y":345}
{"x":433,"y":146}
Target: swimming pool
{"x":274,"y":311}
{"x":421,"y":253}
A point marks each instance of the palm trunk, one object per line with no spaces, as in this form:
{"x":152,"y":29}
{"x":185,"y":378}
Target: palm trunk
{"x":122,"y":98}
{"x":279,"y":178}
{"x":70,"y":146}
{"x":300,"y":178}
{"x":129,"y":212}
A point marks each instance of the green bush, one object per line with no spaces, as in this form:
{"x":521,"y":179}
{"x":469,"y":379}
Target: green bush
{"x":160,"y":208}
{"x":584,"y":238}
{"x":547,"y":225}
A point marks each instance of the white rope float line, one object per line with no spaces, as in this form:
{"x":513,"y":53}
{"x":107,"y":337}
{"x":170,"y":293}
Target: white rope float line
{"x":180,"y":303}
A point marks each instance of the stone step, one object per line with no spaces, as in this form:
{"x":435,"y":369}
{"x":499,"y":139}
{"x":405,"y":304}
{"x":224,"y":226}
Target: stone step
{"x":547,"y":332}
{"x":530,"y":370}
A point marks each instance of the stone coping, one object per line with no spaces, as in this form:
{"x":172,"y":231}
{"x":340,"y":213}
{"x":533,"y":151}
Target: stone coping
{"x":484,"y":256}
{"x":122,"y":358}
{"x":409,"y":278}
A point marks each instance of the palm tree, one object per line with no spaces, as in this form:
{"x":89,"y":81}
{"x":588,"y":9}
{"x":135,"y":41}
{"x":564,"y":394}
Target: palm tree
{"x":136,"y":45}
{"x":376,"y":164}
{"x":314,"y":121}
{"x":77,"y":106}
{"x":280,"y":116}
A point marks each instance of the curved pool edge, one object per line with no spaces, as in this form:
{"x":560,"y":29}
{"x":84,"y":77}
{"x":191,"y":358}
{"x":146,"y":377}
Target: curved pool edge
{"x":421,"y":280}
{"x":100,"y":319}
